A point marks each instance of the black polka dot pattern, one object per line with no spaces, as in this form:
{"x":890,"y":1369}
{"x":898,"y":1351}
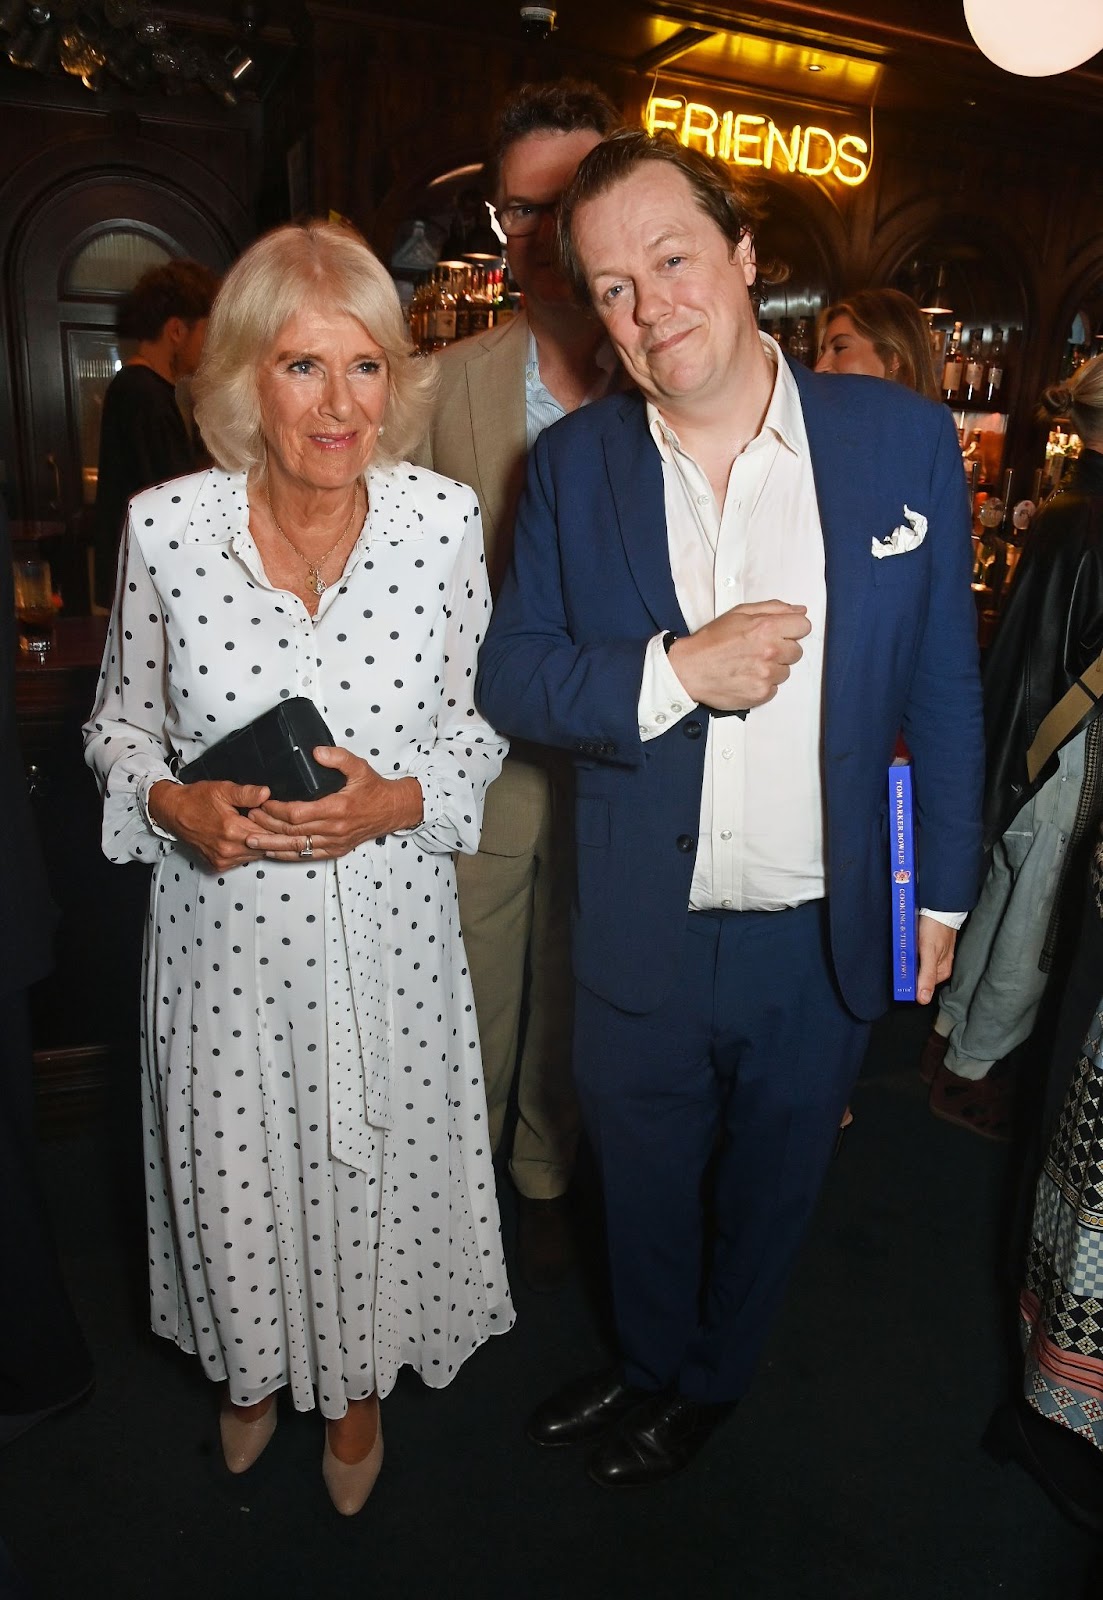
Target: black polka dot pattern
{"x":320,"y":1197}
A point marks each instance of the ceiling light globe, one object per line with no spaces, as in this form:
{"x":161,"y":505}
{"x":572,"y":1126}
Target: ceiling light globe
{"x":1021,"y":37}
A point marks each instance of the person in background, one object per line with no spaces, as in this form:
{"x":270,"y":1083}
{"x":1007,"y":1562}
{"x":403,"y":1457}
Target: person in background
{"x":880,"y":333}
{"x":144,"y":440}
{"x":1039,"y":818}
{"x":1053,"y":1423}
{"x":498,"y":392}
{"x":44,"y":1361}
{"x":320,"y":1190}
{"x":732,"y":699}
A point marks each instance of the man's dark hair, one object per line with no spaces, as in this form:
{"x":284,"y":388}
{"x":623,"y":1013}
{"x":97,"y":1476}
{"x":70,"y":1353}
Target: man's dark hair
{"x":569,"y":105}
{"x":734,"y":206}
{"x":183,"y":289}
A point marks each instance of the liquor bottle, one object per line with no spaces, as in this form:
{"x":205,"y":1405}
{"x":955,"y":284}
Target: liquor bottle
{"x":419,"y":314}
{"x":505,"y":303}
{"x":462,"y":283}
{"x":954,"y":368}
{"x":481,"y":316}
{"x":490,"y":295}
{"x":800,"y":345}
{"x":974,"y":368}
{"x":993,"y":383}
{"x":442,"y":311}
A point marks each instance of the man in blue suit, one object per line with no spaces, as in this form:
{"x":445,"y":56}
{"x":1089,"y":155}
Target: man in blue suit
{"x":730,"y":591}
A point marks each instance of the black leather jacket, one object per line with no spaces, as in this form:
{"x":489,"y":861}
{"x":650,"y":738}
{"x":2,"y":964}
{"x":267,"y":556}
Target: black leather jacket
{"x":1052,"y":630}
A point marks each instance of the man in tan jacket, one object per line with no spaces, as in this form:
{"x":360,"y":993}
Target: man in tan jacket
{"x":498,"y":392}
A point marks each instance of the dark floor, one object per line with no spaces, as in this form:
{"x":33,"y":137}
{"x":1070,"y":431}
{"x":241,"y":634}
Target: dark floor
{"x":851,"y":1472}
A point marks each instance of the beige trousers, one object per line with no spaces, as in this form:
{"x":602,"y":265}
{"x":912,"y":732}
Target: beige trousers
{"x":514,"y":911}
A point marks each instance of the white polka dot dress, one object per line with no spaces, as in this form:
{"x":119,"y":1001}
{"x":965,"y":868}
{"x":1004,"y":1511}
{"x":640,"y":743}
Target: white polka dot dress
{"x":321,"y":1201}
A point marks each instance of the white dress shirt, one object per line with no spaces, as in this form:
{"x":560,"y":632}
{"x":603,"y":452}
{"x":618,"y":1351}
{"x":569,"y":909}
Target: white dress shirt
{"x":760,"y":841}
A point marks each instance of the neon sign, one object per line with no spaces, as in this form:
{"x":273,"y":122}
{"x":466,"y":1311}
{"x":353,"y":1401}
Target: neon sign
{"x":748,"y":139}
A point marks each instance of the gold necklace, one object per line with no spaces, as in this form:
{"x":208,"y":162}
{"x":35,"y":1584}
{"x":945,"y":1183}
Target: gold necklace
{"x":314,"y":568}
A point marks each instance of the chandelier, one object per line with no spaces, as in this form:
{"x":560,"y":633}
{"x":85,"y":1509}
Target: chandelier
{"x":125,"y":41}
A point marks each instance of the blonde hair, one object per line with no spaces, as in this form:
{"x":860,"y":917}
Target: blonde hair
{"x":1080,"y":398}
{"x":310,"y":265}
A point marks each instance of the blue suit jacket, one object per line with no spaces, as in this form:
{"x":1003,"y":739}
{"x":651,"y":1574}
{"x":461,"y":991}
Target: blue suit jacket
{"x":591,"y":584}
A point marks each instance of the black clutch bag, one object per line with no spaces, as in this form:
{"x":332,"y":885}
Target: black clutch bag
{"x":275,"y":750}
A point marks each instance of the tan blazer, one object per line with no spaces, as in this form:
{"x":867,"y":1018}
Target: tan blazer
{"x":478,"y":436}
{"x":478,"y":433}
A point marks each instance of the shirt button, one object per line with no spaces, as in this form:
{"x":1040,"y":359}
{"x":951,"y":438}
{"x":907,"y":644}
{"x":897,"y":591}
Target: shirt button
{"x":643,"y":730}
{"x":729,"y":583}
{"x":726,"y":833}
{"x":727,"y":905}
{"x":727,"y":754}
{"x":307,"y":682}
{"x":660,"y":716}
{"x":677,"y":706}
{"x":702,"y":499}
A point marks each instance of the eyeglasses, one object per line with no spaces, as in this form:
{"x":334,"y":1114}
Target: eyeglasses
{"x":526,"y":216}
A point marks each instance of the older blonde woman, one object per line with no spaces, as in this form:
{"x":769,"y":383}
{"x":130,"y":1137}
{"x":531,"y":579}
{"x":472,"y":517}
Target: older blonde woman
{"x":320,"y":1197}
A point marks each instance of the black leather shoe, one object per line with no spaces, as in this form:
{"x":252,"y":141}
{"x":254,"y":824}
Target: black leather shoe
{"x":583,"y":1409}
{"x":656,"y":1439}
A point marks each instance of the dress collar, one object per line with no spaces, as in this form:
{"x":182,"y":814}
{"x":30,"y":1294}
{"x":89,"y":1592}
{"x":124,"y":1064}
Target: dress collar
{"x":220,"y":511}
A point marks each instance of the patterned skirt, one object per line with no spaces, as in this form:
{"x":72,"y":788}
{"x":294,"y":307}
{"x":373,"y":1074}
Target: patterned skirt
{"x":1061,"y":1304}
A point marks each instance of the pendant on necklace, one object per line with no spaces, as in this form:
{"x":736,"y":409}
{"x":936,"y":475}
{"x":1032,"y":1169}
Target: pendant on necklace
{"x":317,"y":582}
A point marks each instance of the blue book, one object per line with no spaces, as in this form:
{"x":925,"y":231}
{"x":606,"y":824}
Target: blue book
{"x":902,"y":879}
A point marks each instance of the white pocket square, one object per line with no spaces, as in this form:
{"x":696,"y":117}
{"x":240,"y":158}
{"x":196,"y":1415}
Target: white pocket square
{"x":909,"y":536}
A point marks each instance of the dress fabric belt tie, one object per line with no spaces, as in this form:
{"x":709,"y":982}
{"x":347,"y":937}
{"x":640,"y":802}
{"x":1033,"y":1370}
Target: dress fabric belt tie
{"x":359,"y":1024}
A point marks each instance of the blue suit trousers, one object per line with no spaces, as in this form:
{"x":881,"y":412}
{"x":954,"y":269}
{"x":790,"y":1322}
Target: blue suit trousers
{"x":735,"y":1084}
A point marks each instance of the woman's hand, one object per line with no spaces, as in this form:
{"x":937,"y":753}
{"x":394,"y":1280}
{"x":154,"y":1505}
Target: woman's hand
{"x":366,"y":808}
{"x":208,"y":817}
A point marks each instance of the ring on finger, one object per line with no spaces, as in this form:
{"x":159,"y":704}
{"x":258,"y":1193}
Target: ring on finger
{"x":308,"y":849}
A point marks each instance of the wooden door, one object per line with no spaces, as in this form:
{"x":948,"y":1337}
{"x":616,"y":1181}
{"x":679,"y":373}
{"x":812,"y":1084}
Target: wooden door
{"x":84,"y":245}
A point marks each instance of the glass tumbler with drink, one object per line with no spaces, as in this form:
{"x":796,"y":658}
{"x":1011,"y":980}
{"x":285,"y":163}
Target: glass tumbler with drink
{"x":34,"y":606}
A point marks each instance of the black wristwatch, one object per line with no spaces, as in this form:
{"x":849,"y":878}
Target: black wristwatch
{"x":669,"y":640}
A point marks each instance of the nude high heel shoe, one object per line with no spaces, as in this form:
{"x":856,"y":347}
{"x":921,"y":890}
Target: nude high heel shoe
{"x":350,"y":1485}
{"x":244,"y":1442}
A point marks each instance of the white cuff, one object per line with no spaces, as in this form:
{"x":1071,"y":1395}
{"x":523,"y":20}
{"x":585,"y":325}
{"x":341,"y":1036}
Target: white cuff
{"x":663,"y":700}
{"x":949,"y":919}
{"x":144,"y":786}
